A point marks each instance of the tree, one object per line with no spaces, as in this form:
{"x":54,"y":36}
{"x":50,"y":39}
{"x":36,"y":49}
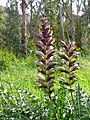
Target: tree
{"x":61,"y":19}
{"x":71,"y":22}
{"x":24,"y":45}
{"x":3,"y":16}
{"x":13,"y":26}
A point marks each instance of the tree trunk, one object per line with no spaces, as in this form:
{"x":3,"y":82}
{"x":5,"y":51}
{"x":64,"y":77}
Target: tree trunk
{"x":30,"y":30}
{"x":24,"y":46}
{"x":71,"y":22}
{"x":78,"y":27}
{"x":61,"y":20}
{"x":89,"y":9}
{"x":37,"y":18}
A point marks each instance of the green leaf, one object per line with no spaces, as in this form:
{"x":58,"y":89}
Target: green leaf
{"x":72,"y":60}
{"x":1,"y":87}
{"x":63,"y":81}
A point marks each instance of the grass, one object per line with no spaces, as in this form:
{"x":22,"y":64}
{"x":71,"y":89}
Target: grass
{"x":22,"y":74}
{"x":84,"y":74}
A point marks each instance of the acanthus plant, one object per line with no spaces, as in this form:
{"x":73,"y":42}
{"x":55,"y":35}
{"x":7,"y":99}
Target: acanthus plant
{"x":45,"y":58}
{"x":69,"y":57}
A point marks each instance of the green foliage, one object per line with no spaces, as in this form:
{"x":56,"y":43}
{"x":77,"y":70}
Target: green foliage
{"x":6,"y":59}
{"x":24,"y":106}
{"x":13,"y":27}
{"x":27,"y":106}
{"x":20,"y":99}
{"x":82,"y":104}
{"x":21,"y":73}
{"x":83,"y":74}
{"x":3,"y":16}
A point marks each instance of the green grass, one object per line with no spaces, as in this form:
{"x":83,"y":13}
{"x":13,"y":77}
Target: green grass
{"x":84,"y":74}
{"x":22,"y":74}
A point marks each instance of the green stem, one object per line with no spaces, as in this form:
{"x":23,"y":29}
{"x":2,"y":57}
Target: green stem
{"x":72,"y":96}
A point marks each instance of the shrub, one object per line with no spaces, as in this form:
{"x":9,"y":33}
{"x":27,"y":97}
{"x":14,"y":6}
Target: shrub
{"x":6,"y":59}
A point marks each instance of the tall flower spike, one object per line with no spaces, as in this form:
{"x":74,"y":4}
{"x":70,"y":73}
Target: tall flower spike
{"x":45,"y":62}
{"x":69,"y":57}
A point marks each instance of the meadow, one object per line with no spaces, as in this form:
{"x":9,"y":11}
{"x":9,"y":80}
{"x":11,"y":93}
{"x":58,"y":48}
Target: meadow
{"x":20,"y":74}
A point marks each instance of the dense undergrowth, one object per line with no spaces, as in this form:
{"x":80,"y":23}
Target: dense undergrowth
{"x":57,"y":95}
{"x":18,"y":77}
{"x":21,"y":72}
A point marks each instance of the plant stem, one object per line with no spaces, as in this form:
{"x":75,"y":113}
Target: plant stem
{"x":72,"y":96}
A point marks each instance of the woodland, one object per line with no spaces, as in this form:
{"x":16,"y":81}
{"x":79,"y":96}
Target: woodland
{"x":45,"y":60}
